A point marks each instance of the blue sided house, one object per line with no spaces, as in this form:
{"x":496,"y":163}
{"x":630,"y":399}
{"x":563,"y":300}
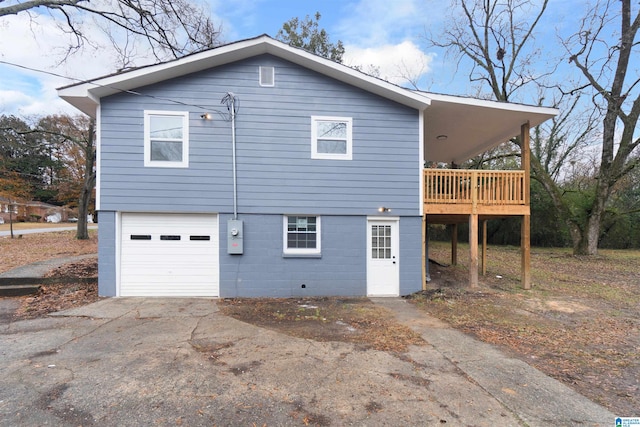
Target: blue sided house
{"x":256,"y":169}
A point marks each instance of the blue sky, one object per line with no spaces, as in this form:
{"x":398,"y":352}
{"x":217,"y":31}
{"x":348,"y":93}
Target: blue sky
{"x":389,"y":34}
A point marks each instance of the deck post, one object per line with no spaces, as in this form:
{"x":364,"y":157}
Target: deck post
{"x":484,"y":247}
{"x":526,"y":251}
{"x":525,"y":233}
{"x":473,"y":250}
{"x":454,"y":244}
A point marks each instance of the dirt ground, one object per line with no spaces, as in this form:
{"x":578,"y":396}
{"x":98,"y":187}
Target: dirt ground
{"x":354,"y":320}
{"x":579,"y":324}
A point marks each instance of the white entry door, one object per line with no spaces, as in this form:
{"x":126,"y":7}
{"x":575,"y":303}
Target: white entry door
{"x":383,"y":263}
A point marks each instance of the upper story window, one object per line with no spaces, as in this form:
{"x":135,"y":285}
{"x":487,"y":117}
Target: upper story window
{"x":331,"y":138}
{"x":267,"y":76}
{"x":166,"y":139}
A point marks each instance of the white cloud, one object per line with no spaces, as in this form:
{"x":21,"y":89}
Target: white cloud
{"x":237,"y":17}
{"x":36,"y":42}
{"x":10,"y":100}
{"x":379,"y":22}
{"x":387,"y":35}
{"x":402,"y":64}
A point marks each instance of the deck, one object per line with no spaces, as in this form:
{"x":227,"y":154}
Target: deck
{"x":485,"y":193}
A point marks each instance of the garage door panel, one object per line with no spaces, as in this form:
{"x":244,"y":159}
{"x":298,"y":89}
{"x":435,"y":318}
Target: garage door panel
{"x":160,"y":256}
{"x":138,"y":270}
{"x":151,"y":266}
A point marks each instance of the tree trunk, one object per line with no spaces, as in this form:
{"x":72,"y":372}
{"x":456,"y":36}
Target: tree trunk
{"x":587,"y":244}
{"x":591,"y":233}
{"x":82,"y":232}
{"x":11,"y":219}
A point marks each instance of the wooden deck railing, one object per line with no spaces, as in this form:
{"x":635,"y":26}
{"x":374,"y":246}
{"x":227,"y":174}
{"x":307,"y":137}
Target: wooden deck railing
{"x":474,"y":187}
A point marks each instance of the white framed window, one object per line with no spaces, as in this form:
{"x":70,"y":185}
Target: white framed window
{"x":331,"y":138}
{"x":166,"y":139}
{"x":301,"y":235}
{"x":267,"y":76}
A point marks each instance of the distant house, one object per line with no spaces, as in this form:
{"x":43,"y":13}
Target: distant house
{"x":45,"y":212}
{"x":32,"y":211}
{"x":11,"y":209}
{"x":259,"y":169}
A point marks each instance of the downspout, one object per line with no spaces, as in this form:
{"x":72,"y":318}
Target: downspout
{"x":230,"y":100}
{"x":233,"y":148}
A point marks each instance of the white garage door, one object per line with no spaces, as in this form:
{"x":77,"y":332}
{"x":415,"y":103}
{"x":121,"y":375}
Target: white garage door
{"x":169,"y":255}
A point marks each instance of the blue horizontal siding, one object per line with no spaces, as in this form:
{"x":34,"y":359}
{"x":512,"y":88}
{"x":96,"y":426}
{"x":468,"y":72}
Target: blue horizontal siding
{"x":274,"y":169}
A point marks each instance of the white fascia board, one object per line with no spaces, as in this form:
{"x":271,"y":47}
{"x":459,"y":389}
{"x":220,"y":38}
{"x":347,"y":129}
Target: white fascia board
{"x":85,"y":102}
{"x":544,"y":113}
{"x":109,"y":85}
{"x":98,"y":157}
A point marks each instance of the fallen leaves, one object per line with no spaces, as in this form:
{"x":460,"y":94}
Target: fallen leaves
{"x":62,"y":296}
{"x":42,"y":246}
{"x":355,"y":320}
{"x":580,"y":323}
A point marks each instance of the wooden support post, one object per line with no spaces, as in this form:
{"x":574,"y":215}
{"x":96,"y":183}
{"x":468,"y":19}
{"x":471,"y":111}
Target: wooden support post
{"x":484,"y":247}
{"x":473,"y":250}
{"x":525,"y":235}
{"x":454,"y":244}
{"x":525,"y":239}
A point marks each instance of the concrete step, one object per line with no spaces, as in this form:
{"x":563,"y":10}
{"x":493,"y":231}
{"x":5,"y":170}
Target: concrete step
{"x":18,"y":290}
{"x":11,"y":281}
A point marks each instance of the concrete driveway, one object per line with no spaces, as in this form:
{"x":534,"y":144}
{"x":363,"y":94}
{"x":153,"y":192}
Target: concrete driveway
{"x":135,"y":361}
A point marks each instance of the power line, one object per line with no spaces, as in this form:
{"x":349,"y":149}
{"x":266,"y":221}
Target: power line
{"x":132,"y":92}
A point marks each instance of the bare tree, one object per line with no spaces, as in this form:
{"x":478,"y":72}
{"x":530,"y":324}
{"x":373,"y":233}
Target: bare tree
{"x":499,"y":45}
{"x":606,"y":53}
{"x":172,"y":28}
{"x":560,"y":162}
{"x":75,"y":139}
{"x":490,"y":34}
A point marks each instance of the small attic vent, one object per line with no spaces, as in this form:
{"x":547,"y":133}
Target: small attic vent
{"x":267,"y":76}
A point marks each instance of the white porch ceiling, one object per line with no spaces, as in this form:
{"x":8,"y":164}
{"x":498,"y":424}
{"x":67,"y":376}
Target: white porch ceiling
{"x":473,"y":126}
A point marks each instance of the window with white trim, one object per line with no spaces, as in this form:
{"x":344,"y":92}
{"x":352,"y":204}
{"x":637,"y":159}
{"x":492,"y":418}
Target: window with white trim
{"x":267,"y":76}
{"x":301,"y":234}
{"x":331,"y":138}
{"x":166,"y":139}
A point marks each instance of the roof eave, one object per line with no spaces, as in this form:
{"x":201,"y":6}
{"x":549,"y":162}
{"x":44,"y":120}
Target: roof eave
{"x":95,"y":89}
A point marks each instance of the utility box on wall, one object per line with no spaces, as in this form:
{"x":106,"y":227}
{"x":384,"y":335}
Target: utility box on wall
{"x":235,"y":235}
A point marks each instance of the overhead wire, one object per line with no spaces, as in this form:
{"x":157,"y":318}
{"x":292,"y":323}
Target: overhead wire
{"x":132,"y":92}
